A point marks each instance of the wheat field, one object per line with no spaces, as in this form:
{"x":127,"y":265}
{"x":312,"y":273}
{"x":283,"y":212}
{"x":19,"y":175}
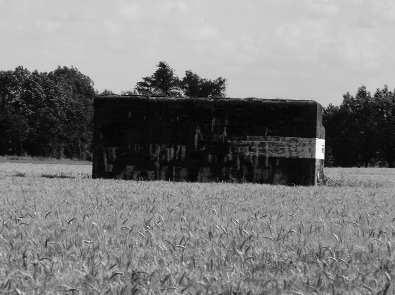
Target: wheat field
{"x":62,"y":232}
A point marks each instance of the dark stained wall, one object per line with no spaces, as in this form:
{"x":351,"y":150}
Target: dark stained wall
{"x":263,"y":141}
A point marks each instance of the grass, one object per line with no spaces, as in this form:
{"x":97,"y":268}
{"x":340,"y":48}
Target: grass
{"x":69,"y":234}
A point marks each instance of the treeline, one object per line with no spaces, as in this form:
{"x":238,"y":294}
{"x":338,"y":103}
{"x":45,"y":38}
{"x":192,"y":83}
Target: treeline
{"x":46,"y":114}
{"x":50,"y":114}
{"x":361,"y":131}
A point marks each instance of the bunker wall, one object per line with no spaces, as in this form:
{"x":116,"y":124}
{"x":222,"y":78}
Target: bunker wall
{"x":262,"y":141}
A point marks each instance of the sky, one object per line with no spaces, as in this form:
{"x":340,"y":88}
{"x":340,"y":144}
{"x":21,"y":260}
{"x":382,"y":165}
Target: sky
{"x":294,"y":49}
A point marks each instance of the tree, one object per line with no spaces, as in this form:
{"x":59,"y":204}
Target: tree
{"x":163,"y":82}
{"x":76,"y":105}
{"x":195,"y":86}
{"x":16,"y":96}
{"x":361,"y":131}
{"x":384,"y":101}
{"x":340,"y":143}
{"x":351,"y":129}
{"x":46,"y":114}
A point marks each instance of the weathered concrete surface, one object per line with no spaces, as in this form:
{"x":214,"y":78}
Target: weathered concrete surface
{"x":263,"y":141}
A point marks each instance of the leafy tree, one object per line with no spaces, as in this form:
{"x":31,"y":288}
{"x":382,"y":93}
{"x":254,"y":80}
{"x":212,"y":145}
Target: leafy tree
{"x":195,"y":86}
{"x":163,"y":82}
{"x":77,"y":94}
{"x":340,"y":144}
{"x":384,"y":100}
{"x":365,"y":126}
{"x":14,"y":112}
{"x":361,"y":131}
{"x":45,"y":114}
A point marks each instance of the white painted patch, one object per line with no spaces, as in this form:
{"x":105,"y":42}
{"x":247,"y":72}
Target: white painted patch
{"x":320,"y":148}
{"x":280,"y":147}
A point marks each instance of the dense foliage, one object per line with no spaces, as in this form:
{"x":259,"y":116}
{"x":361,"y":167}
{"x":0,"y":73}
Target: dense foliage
{"x":50,"y":114}
{"x":361,"y":131}
{"x":46,"y":114}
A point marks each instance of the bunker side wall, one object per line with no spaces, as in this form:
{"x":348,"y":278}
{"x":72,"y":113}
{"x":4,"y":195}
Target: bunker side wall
{"x":195,"y":140}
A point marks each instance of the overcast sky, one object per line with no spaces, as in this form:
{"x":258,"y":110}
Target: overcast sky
{"x":305,"y":49}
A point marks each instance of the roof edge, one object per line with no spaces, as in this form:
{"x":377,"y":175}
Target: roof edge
{"x":200,"y":99}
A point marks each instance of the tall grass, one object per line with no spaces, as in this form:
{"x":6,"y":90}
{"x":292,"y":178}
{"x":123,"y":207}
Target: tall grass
{"x":82,"y":236}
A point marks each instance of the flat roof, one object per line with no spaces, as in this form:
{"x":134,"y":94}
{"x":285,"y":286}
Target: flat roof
{"x":122,"y":98}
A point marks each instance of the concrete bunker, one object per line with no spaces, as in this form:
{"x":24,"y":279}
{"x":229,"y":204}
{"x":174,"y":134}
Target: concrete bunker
{"x":183,"y":139}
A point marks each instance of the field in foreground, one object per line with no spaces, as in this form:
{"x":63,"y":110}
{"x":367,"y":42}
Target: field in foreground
{"x":64,"y":233}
